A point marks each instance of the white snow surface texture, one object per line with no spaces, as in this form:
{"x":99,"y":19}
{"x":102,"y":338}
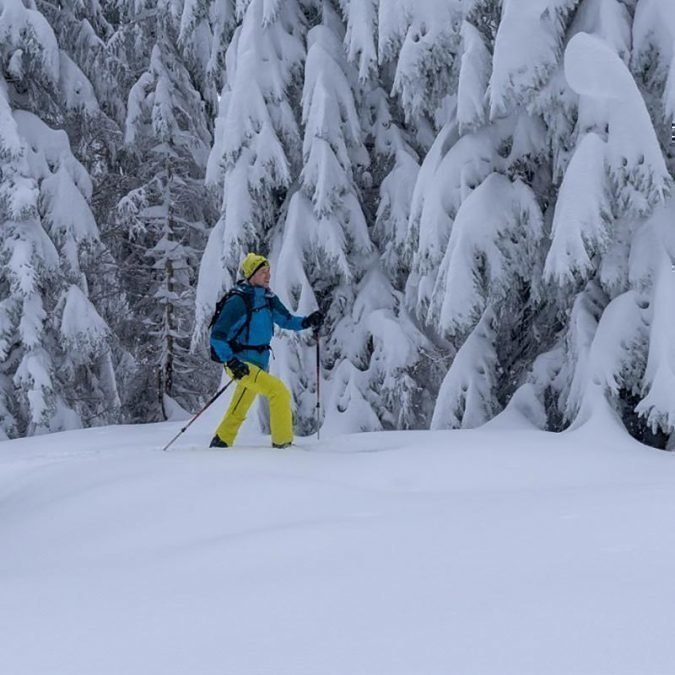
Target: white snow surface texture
{"x":504,"y":550}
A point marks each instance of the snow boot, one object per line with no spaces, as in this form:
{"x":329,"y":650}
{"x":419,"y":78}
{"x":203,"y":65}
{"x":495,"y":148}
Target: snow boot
{"x":217,"y":443}
{"x":281,"y":446}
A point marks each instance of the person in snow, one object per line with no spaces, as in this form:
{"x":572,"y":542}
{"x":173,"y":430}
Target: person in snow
{"x":241,"y":338}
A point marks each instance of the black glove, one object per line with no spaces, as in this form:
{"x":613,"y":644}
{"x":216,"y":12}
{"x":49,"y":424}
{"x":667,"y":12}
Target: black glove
{"x":314,"y":320}
{"x":237,"y":368}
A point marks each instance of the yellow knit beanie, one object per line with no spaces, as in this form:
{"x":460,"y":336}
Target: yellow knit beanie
{"x":252,"y":263}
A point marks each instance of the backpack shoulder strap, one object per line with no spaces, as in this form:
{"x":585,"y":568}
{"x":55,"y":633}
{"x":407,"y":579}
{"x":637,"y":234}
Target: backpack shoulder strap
{"x":248,"y":303}
{"x":231,"y":293}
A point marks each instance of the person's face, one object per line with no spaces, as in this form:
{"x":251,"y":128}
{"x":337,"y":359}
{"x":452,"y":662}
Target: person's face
{"x":261,"y":277}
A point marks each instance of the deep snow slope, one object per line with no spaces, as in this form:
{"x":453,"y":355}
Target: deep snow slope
{"x":492,"y":552}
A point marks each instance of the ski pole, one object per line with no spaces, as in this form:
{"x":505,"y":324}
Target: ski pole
{"x":318,"y":384}
{"x":214,"y":397}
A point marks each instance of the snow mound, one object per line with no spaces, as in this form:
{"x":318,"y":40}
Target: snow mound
{"x":400,"y":553}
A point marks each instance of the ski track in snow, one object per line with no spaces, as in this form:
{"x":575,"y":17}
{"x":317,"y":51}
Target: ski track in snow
{"x":402,"y":553}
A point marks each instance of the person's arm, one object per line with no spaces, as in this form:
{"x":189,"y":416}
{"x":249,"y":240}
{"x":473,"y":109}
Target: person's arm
{"x":282,"y":317}
{"x":229,"y":321}
{"x":285,"y":319}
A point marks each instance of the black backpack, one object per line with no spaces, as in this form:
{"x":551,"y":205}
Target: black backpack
{"x":218,"y":310}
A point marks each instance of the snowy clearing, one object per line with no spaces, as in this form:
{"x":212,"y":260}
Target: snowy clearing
{"x":498,"y":551}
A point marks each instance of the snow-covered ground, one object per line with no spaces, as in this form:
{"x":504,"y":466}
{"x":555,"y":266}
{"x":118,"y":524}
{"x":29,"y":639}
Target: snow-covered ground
{"x":493,"y":552}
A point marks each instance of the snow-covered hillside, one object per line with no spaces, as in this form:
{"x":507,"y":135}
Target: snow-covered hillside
{"x":495,"y":552}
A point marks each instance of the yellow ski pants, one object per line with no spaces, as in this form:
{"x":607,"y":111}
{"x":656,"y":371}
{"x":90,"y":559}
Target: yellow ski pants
{"x":258,"y":382}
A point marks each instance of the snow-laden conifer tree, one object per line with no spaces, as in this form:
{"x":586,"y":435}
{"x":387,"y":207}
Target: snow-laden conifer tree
{"x":653,"y":60}
{"x":655,"y":250}
{"x":517,"y":114}
{"x":256,"y":142}
{"x":94,"y":79}
{"x":205,"y":30}
{"x":325,"y":248}
{"x":403,"y":372}
{"x":605,"y":262}
{"x":616,"y":252}
{"x":477,"y":221}
{"x":55,"y":358}
{"x":164,"y":219}
{"x":486,"y":284}
{"x":426,"y":37}
{"x":86,"y":32}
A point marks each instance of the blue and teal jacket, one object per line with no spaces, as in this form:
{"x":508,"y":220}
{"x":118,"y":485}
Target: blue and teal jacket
{"x":231,"y":335}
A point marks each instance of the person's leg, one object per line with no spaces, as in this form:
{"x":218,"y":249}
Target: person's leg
{"x":272,"y":388}
{"x":242,"y":400}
